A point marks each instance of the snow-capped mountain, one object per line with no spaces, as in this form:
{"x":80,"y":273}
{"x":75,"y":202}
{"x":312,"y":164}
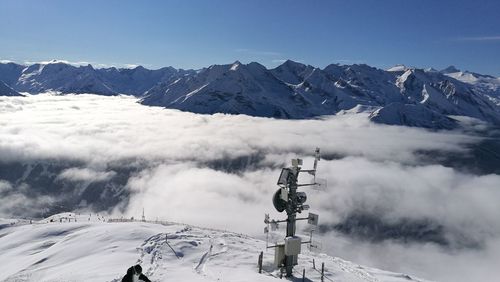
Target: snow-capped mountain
{"x":445,"y":95}
{"x":291,"y":90}
{"x":485,"y":84}
{"x":236,"y":89}
{"x":138,"y":80}
{"x":62,"y":77}
{"x":450,"y":69}
{"x":86,"y":247}
{"x":292,"y":72}
{"x":412,"y":115}
{"x":402,"y":95}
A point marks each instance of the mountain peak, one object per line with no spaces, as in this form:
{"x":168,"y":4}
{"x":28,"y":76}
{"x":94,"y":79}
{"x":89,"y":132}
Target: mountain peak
{"x":292,"y":72}
{"x":54,"y":62}
{"x":290,"y":63}
{"x":450,"y":69}
{"x":398,"y":68}
{"x":89,"y":67}
{"x":235,"y":65}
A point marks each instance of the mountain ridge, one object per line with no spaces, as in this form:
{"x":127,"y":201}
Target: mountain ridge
{"x":292,"y":90}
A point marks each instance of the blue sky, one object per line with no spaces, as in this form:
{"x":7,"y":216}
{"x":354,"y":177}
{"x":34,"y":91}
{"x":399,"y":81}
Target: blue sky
{"x":194,"y":34}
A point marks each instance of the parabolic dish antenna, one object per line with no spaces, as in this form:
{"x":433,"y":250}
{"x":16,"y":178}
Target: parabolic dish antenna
{"x":278,"y":202}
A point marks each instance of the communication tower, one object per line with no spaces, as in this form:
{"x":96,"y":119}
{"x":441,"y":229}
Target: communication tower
{"x":287,"y":198}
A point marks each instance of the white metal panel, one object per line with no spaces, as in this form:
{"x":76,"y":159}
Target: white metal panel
{"x":292,"y":245}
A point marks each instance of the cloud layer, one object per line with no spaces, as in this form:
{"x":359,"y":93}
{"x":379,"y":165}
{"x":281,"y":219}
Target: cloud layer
{"x":220,"y":171}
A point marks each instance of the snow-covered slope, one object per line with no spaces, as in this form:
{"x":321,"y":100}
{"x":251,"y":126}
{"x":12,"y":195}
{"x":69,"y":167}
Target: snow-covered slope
{"x":90,"y":249}
{"x":61,"y":77}
{"x":6,"y":90}
{"x":412,"y":115}
{"x":138,"y":80}
{"x":292,"y":90}
{"x":485,"y":84}
{"x":65,"y":78}
{"x":292,"y":72}
{"x":368,"y":85}
{"x":295,"y":90}
{"x":236,"y":89}
{"x":337,"y":88}
{"x":446,"y":95}
{"x":10,"y":72}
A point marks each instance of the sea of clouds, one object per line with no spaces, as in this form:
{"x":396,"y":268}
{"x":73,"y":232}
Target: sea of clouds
{"x":220,"y":171}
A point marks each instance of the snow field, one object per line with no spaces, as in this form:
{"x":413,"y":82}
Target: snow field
{"x":96,"y":250}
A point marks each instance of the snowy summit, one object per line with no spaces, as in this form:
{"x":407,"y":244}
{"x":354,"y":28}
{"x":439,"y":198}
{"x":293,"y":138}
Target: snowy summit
{"x":89,"y":247}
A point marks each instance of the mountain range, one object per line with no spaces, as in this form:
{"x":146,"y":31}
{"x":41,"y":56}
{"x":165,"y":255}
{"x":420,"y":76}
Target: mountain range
{"x":398,"y":96}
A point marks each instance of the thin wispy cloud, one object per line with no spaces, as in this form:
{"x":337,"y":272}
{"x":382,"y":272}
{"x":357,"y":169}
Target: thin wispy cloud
{"x":343,"y":60}
{"x":258,"y":52}
{"x":349,"y":61}
{"x":479,"y":38}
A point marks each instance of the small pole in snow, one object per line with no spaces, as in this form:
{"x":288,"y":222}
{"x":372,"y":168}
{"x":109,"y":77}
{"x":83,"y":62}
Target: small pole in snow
{"x":322,"y":271}
{"x":260,"y":261}
{"x":304,"y":275}
{"x":314,"y":264}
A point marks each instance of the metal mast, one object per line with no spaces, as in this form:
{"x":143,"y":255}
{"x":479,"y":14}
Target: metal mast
{"x":288,"y":199}
{"x":291,"y":212}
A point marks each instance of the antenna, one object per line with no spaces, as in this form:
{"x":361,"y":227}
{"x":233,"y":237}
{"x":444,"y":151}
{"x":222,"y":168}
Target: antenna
{"x":317,"y":157}
{"x":311,"y":238}
{"x":288,"y":199}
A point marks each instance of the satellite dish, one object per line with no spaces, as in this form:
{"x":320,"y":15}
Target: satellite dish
{"x":278,"y":202}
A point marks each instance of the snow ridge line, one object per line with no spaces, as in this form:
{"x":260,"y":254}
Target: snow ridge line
{"x":167,"y":223}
